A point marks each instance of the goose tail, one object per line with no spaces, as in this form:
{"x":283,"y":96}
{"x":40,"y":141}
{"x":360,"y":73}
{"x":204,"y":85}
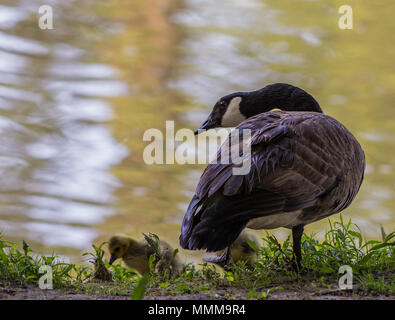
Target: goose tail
{"x":187,"y":223}
{"x":205,"y":227}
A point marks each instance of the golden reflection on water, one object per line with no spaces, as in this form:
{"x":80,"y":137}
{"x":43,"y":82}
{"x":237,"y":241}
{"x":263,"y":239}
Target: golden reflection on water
{"x":75,"y":102}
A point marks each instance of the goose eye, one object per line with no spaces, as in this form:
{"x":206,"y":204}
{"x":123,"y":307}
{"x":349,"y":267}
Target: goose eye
{"x":222,"y":103}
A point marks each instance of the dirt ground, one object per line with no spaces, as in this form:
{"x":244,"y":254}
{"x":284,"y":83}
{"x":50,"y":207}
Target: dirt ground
{"x":18,"y":292}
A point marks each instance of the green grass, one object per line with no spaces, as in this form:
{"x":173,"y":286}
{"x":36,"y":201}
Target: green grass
{"x":372,"y":262}
{"x":23,"y":267}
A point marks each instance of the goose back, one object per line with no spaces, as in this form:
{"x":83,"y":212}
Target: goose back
{"x":304,"y":166}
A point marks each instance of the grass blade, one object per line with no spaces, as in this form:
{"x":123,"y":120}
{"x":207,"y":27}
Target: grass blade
{"x":138,"y":292}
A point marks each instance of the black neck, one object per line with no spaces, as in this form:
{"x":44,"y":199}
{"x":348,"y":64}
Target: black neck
{"x":279,"y":95}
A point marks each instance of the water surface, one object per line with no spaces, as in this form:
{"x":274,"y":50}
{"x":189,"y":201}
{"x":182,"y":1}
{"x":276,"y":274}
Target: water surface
{"x":75,"y":102}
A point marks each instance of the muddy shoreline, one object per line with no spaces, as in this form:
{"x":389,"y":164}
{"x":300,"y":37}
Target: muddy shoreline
{"x":10,"y":291}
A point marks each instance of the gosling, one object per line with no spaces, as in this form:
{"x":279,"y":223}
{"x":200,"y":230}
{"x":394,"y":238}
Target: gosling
{"x":136,"y":255}
{"x":240,"y":250}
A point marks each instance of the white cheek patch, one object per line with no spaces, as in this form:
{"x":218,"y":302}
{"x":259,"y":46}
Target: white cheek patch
{"x":233,"y":116}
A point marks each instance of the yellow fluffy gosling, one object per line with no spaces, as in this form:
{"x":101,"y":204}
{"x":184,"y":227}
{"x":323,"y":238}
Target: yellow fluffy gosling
{"x":136,"y":255}
{"x":240,"y":249}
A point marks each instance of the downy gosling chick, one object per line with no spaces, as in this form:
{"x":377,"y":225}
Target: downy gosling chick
{"x":240,"y":249}
{"x":136,"y":255}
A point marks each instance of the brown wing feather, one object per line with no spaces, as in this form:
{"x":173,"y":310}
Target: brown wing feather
{"x":300,"y":155}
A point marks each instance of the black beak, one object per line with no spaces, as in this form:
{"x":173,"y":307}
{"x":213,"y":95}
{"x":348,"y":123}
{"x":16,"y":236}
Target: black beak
{"x":205,"y":126}
{"x":112,"y":259}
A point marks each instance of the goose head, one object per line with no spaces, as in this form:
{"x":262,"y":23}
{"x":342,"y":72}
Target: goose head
{"x":232,"y":109}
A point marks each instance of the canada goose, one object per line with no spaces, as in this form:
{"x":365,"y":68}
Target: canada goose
{"x":136,"y":255}
{"x":240,"y":250}
{"x":305,"y":166}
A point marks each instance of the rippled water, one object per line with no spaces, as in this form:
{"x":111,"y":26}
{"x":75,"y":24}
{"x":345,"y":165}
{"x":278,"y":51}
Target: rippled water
{"x":75,"y":102}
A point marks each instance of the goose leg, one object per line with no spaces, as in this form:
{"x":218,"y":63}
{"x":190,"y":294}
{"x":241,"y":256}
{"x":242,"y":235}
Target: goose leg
{"x":297,"y":233}
{"x":223,"y":260}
